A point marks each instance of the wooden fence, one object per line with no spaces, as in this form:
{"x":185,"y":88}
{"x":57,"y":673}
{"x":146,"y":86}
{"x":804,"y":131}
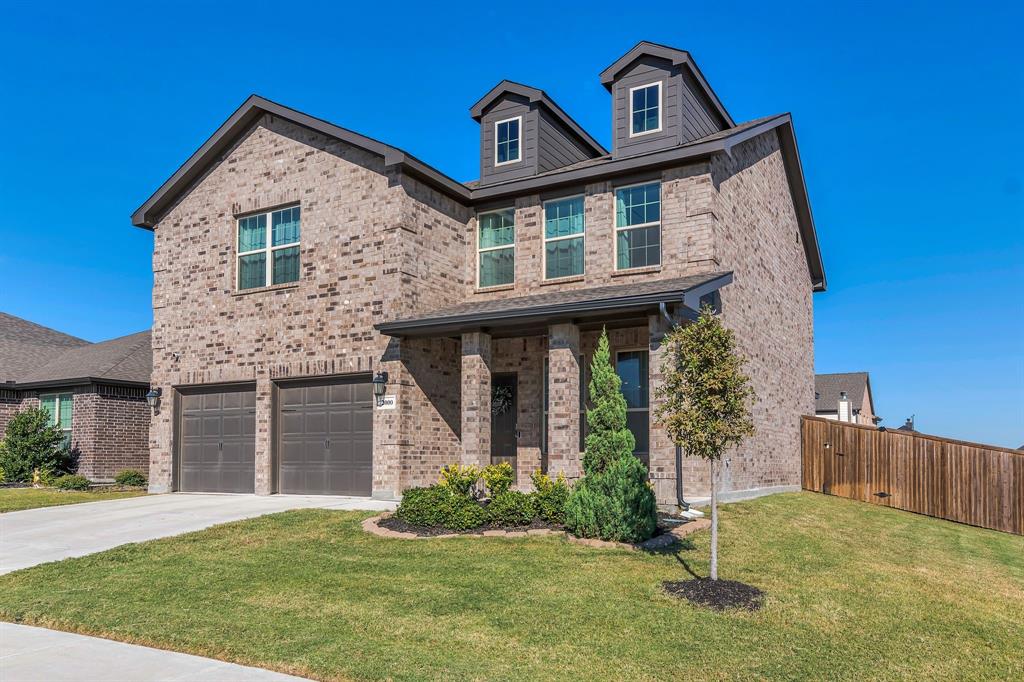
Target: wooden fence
{"x":980,"y":485}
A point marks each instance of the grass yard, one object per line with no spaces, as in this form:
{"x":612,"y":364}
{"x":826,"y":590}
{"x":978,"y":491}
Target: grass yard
{"x":853,"y":592}
{"x":16,"y":499}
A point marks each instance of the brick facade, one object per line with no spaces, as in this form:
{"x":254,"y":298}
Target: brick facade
{"x":109,"y":426}
{"x":378,"y":245}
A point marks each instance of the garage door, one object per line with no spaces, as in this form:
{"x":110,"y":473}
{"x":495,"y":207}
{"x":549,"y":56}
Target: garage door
{"x":325,"y":441}
{"x":218,"y":441}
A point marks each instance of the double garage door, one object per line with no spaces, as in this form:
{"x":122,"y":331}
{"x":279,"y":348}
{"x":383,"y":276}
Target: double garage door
{"x":324,"y":438}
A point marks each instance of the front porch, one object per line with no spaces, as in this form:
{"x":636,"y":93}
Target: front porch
{"x":523,"y":367}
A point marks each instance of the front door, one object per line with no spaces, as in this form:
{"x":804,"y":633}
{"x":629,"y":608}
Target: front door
{"x":503,"y":419}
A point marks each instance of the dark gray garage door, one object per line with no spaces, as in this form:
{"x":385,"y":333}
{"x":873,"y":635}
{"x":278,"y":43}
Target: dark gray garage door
{"x":218,"y":441}
{"x":326,"y":437}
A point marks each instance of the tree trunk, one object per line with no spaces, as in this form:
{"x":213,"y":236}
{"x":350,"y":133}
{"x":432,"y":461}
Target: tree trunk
{"x":714,"y":522}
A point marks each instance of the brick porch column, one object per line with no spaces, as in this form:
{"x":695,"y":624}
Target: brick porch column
{"x":264,"y":435}
{"x":662,"y":449}
{"x":564,"y":400}
{"x":476,"y":398}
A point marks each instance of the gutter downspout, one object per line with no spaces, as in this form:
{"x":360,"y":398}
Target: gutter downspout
{"x":680,"y":500}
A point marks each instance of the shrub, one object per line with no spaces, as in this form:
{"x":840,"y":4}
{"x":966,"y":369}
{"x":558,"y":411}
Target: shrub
{"x":460,"y":479}
{"x":439,"y":505}
{"x":130,"y":477}
{"x":32,"y":441}
{"x":498,"y":478}
{"x":613,"y":500}
{"x":617,"y":504}
{"x":2,"y":479}
{"x":71,"y":482}
{"x":511,"y":508}
{"x":550,"y":496}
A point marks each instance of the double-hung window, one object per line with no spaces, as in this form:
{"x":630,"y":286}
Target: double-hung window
{"x":496,"y":248}
{"x":506,"y":140}
{"x":645,"y":109}
{"x":59,"y":406}
{"x":265,"y":259}
{"x":638,"y":226}
{"x":563,"y":238}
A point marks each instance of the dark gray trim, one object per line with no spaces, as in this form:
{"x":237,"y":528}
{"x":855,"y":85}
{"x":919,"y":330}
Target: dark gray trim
{"x":79,"y":381}
{"x":678,"y":58}
{"x":538,"y":96}
{"x":546,"y":314}
{"x":255,"y":106}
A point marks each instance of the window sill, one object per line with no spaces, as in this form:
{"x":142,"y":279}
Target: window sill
{"x":563,"y":280}
{"x":263,"y":290}
{"x":637,"y":271}
{"x":496,"y":287}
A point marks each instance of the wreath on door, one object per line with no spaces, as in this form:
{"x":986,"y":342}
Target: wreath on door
{"x":501,"y":400}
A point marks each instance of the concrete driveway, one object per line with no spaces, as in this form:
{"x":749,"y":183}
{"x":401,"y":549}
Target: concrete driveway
{"x":36,"y":536}
{"x":30,"y":654}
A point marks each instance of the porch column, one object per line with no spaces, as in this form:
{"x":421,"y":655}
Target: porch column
{"x":662,"y":449}
{"x":476,"y":398}
{"x":564,"y":400}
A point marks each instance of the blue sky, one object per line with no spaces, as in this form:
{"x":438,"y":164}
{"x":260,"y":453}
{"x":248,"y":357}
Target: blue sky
{"x":907,"y":115}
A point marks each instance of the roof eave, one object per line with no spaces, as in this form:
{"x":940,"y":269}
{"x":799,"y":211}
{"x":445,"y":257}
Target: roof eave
{"x":78,"y":381}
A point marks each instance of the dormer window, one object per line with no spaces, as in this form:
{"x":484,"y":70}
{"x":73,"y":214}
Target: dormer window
{"x":645,"y":109}
{"x":506,"y":140}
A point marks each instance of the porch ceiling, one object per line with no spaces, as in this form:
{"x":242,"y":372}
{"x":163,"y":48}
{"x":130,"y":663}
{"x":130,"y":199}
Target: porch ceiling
{"x":525,"y":315}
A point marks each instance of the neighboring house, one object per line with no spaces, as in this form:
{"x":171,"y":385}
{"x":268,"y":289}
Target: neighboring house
{"x":96,"y":392}
{"x":295,"y":262}
{"x":845,"y":397}
{"x":908,"y":426}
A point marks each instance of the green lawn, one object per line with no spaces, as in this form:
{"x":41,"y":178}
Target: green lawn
{"x":853,"y":592}
{"x":16,"y":499}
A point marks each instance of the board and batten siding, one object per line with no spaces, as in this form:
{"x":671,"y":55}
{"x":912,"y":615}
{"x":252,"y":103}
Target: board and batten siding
{"x":686,"y":115}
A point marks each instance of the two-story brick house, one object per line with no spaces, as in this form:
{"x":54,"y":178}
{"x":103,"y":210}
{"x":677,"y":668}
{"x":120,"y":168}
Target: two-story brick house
{"x":295,"y":262}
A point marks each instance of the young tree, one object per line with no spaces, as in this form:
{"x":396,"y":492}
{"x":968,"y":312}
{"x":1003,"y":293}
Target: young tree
{"x":614,"y":499}
{"x":32,"y":441}
{"x":705,"y":398}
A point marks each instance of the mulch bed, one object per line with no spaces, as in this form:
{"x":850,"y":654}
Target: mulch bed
{"x":717,"y":594}
{"x":397,"y":524}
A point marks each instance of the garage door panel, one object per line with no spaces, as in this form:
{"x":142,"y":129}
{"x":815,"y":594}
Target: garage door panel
{"x":218,"y":443}
{"x":329,"y":449}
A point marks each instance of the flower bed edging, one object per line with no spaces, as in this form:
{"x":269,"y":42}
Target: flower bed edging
{"x":370,"y":525}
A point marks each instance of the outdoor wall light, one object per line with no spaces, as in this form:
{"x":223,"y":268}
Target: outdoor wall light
{"x":153,"y":398}
{"x":380,"y":384}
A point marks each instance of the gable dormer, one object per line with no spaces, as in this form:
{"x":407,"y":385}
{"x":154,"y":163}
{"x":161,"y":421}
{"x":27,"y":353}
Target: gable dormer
{"x":523,"y":133}
{"x":660,"y":100}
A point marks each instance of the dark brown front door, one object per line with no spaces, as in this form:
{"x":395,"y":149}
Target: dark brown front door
{"x":326,"y":437}
{"x":503,"y":419}
{"x":218,"y":441}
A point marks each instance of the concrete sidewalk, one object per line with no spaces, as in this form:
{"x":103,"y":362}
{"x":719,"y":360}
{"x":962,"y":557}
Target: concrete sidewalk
{"x":30,"y":654}
{"x":36,"y":536}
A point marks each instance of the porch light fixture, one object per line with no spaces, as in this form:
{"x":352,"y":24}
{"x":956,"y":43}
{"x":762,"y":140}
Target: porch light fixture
{"x":380,"y":384}
{"x":153,"y":398}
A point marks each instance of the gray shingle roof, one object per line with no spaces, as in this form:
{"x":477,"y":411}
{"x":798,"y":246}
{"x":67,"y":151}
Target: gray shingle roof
{"x":828,"y":386}
{"x":24,"y":344}
{"x":33,"y":354}
{"x":127,"y":358}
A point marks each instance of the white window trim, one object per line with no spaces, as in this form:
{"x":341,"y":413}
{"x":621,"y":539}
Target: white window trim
{"x":545,"y":239}
{"x":267,"y":249}
{"x":661,"y":232}
{"x":485,"y":249}
{"x":519,"y":142}
{"x":661,"y":110}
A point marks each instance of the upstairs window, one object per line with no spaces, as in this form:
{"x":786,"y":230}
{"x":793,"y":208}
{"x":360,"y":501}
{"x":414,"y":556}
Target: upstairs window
{"x":645,"y":109}
{"x":506,"y":140}
{"x":496,"y":250}
{"x":563,"y":238}
{"x":262,"y":261}
{"x":59,"y":407}
{"x":638,"y":226}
